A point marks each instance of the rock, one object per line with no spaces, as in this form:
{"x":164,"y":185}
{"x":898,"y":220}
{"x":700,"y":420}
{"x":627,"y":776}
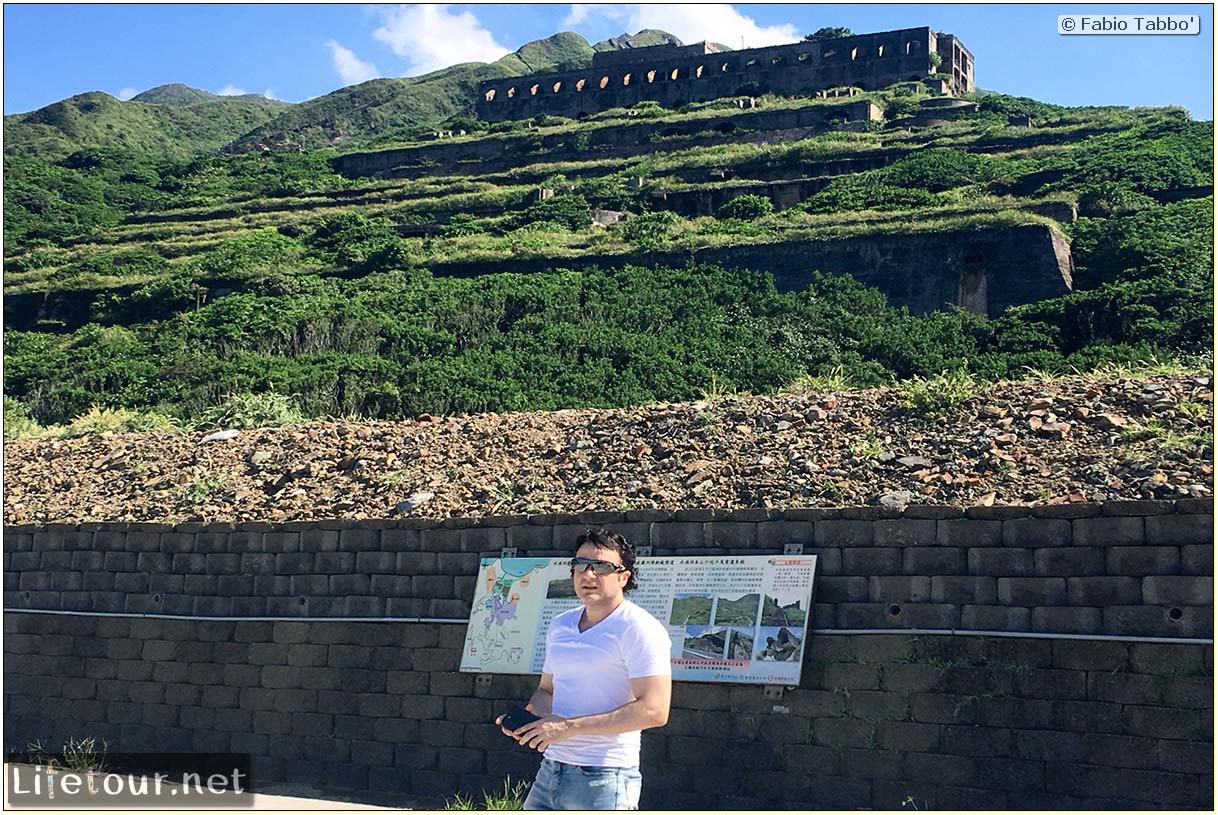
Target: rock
{"x":413,"y":502}
{"x":992,"y":411}
{"x":913,"y":462}
{"x":987,"y":500}
{"x":259,"y":457}
{"x":1043,"y":403}
{"x":349,"y":463}
{"x":815,"y":414}
{"x":896,"y":500}
{"x":886,"y":457}
{"x":1111,"y":421}
{"x":220,"y":435}
{"x":782,"y":426}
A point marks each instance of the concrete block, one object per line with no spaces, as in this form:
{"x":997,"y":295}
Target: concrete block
{"x":1111,"y":750}
{"x":1166,"y":659}
{"x":774,"y":535}
{"x":899,"y":589}
{"x":1070,"y":561}
{"x":905,"y":532}
{"x":1103,"y":591}
{"x":843,"y":533}
{"x":1140,"y":561}
{"x":350,"y":584}
{"x":995,"y":618}
{"x":934,"y":561}
{"x":1001,"y":562}
{"x":1032,"y":591}
{"x":966,"y":533}
{"x":870,"y":561}
{"x":1157,"y":621}
{"x":1126,"y":688}
{"x":841,"y":589}
{"x":1191,"y":590}
{"x":677,"y":535}
{"x":1114,"y":531}
{"x":1036,"y":533}
{"x":1198,"y":559}
{"x":1080,"y":620}
{"x":962,"y":589}
{"x":312,"y":540}
{"x":1086,"y":655}
{"x":1051,"y":683}
{"x":1179,"y":530}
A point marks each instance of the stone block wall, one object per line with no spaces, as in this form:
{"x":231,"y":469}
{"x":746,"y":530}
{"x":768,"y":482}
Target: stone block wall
{"x":1022,"y":707}
{"x":673,"y":76}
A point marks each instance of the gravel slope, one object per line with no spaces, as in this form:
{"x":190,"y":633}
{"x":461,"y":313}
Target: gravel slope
{"x":1031,"y":442}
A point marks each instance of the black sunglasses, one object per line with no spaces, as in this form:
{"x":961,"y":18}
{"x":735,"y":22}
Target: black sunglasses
{"x":601,"y":567}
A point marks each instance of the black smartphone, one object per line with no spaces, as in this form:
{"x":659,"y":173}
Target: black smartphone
{"x":516,"y":718}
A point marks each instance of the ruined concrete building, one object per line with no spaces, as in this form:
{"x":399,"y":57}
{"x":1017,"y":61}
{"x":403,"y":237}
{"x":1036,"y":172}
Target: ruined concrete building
{"x":676,"y":75}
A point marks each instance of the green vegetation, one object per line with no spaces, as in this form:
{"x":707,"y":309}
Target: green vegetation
{"x":257,"y":288}
{"x":690,"y":611}
{"x":512,"y":796}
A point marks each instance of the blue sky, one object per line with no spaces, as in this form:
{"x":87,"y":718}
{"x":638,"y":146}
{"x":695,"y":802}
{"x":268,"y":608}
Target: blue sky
{"x":295,"y":52}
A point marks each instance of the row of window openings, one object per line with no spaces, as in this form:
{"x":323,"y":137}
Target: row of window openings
{"x":698,"y":72}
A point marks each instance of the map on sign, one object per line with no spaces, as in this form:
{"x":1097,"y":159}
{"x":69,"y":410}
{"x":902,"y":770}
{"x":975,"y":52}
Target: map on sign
{"x":730,"y":619}
{"x":508,"y":598}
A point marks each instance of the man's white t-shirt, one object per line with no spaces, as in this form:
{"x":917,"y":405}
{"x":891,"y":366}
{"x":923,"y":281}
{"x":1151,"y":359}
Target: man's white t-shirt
{"x":592,"y":672}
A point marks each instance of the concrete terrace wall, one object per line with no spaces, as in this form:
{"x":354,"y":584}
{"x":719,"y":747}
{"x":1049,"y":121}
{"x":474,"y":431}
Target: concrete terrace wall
{"x":988,"y":720}
{"x":482,"y":155}
{"x":981,"y":270}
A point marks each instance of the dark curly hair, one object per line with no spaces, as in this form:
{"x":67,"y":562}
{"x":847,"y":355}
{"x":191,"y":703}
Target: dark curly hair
{"x":604,"y":539}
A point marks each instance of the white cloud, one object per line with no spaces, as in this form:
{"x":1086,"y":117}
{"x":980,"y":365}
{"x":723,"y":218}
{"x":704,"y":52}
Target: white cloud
{"x":715,"y":22}
{"x":351,"y":68}
{"x":231,"y":90}
{"x":433,"y":37}
{"x":126,"y":93}
{"x":269,"y":93}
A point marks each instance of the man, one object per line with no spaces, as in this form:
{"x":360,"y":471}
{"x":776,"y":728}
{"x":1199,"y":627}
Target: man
{"x":607,"y":676}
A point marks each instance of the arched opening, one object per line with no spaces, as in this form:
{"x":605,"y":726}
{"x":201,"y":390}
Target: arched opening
{"x":804,"y":56}
{"x":778,"y":61}
{"x":880,"y":51}
{"x":490,"y":95}
{"x":604,"y":82}
{"x":911,"y":46}
{"x":828,"y":54}
{"x":676,"y":72}
{"x":533,"y":90}
{"x":752,"y":63}
{"x":579,"y":86}
{"x":698,"y":71}
{"x":626,"y":79}
{"x":651,"y":76}
{"x":854,"y":53}
{"x":512,"y":92}
{"x":558,"y":86}
{"x":726,"y":66}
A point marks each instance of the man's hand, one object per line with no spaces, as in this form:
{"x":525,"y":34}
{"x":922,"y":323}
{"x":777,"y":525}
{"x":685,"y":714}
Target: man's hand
{"x":542,"y":733}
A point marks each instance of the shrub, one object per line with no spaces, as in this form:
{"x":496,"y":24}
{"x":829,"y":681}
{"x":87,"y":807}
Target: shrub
{"x":17,"y":421}
{"x":649,"y":230}
{"x":244,"y":411}
{"x":97,"y":420}
{"x":570,"y":210}
{"x":746,"y":208}
{"x":934,"y":397}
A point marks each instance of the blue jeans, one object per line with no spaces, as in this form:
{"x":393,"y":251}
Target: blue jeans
{"x":569,"y":786}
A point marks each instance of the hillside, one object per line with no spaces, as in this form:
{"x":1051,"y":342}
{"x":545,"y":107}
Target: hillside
{"x":153,"y":126}
{"x":634,"y":256}
{"x":1078,"y":439}
{"x":383,"y":109}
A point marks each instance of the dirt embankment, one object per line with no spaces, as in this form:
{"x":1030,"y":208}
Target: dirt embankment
{"x":1032,"y":442}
